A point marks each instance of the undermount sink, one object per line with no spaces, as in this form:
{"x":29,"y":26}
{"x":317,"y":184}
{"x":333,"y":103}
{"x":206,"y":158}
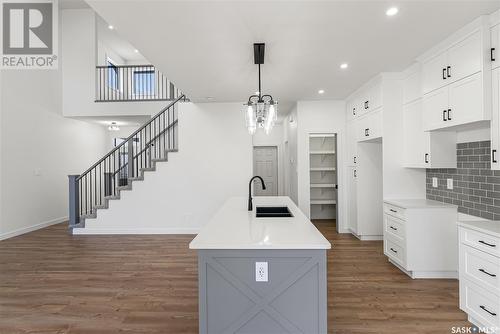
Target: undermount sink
{"x":272,"y":212}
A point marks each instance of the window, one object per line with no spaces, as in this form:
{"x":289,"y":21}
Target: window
{"x":113,"y":78}
{"x":144,"y":82}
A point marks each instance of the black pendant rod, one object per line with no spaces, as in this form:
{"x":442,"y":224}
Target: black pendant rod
{"x":260,"y":89}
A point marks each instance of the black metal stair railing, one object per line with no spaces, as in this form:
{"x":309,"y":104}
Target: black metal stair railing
{"x":92,"y":189}
{"x":126,"y":83}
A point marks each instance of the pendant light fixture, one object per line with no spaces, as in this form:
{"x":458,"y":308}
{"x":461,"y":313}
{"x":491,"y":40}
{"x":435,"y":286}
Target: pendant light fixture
{"x":261,"y":110}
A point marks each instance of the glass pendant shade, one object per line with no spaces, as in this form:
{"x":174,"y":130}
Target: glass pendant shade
{"x":260,"y":115}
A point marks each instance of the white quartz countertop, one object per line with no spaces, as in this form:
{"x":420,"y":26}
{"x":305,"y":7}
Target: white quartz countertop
{"x":416,"y":203}
{"x":233,"y":227}
{"x":480,"y":224}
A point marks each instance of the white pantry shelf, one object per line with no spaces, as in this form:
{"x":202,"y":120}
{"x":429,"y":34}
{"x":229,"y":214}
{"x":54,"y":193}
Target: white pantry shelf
{"x":322,"y":169}
{"x":323,"y":201}
{"x":322,"y":185}
{"x":322,"y":152}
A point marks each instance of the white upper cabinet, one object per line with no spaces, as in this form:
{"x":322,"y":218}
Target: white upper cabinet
{"x":434,"y":72}
{"x":456,"y":79}
{"x":370,"y":126}
{"x":351,"y":143}
{"x":464,"y":58}
{"x":495,"y":46}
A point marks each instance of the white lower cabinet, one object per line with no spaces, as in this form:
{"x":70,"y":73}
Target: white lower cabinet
{"x":479,"y":272}
{"x":420,"y":237}
{"x":495,"y":119}
{"x":352,"y":215}
{"x":436,"y":149}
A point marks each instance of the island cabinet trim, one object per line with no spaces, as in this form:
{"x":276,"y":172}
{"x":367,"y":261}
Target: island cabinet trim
{"x":230,"y":299}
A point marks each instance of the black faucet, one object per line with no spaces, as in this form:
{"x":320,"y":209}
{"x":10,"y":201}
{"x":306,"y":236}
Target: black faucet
{"x":250,"y":206}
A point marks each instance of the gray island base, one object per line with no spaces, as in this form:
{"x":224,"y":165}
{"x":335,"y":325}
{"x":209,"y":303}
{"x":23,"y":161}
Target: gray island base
{"x":234,"y":297}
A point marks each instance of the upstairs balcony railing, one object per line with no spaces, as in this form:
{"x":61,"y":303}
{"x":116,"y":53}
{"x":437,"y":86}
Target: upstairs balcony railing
{"x":125,"y":83}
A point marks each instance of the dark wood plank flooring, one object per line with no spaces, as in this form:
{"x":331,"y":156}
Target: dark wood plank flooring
{"x":52,"y":282}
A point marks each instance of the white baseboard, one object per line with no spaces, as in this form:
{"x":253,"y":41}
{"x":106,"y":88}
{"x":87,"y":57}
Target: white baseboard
{"x":90,"y":231}
{"x":427,"y":274}
{"x":28,"y":229}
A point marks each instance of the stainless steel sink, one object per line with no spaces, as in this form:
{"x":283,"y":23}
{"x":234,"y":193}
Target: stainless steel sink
{"x":272,"y":212}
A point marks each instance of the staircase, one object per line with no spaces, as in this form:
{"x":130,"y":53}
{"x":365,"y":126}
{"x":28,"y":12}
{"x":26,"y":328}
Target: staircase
{"x":121,"y":167}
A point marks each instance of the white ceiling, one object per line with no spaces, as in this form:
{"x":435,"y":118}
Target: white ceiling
{"x":205,"y":47}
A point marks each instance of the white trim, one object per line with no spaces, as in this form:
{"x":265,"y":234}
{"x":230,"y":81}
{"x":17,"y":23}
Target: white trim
{"x":32,"y":228}
{"x":139,"y":230}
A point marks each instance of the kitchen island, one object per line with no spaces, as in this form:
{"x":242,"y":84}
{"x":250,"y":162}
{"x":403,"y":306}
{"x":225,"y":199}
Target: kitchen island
{"x":261,"y":274}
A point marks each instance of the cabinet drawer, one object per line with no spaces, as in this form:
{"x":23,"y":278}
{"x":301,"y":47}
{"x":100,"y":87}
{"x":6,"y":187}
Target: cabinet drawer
{"x":394,"y":211}
{"x":395,"y":251}
{"x":481,"y":241}
{"x":479,"y":303}
{"x":480,"y":267}
{"x":394,"y":227}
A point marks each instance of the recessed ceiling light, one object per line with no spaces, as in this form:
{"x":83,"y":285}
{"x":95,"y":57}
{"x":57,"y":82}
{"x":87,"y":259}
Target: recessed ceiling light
{"x":136,"y":51}
{"x":392,"y":11}
{"x":344,"y":66}
{"x":321,"y":91}
{"x":110,"y":27}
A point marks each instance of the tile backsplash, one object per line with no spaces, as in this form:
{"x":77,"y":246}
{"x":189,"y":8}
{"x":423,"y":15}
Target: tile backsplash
{"x":476,"y":188}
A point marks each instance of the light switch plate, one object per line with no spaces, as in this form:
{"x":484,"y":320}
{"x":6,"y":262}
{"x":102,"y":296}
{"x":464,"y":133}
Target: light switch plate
{"x":449,"y":183}
{"x":434,"y":182}
{"x":261,"y":272}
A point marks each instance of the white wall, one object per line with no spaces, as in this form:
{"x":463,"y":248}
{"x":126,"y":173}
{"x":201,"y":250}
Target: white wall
{"x":290,"y":155}
{"x":274,"y":138}
{"x":320,"y":117}
{"x":79,"y":53}
{"x":214,"y":162}
{"x":36,"y":139}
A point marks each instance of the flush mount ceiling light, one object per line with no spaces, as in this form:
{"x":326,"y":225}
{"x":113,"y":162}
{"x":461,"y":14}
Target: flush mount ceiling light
{"x":321,"y":91}
{"x":392,"y":11}
{"x":113,"y":127}
{"x":136,"y":51}
{"x":261,"y":110}
{"x":344,"y":66}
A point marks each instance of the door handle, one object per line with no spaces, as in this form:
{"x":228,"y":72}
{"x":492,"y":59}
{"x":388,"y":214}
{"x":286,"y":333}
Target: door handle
{"x":449,"y":117}
{"x":444,"y":115}
{"x":444,"y":73}
{"x":493,"y":158}
{"x":448,"y":70}
{"x":486,"y":310}
{"x":426,"y":158}
{"x":492,"y":57}
{"x":487,"y":273}
{"x":487,"y":244}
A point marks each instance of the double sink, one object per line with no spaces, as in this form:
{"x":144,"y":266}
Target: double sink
{"x":272,"y":212}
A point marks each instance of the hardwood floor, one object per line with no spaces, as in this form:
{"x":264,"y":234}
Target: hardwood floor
{"x":51,"y":282}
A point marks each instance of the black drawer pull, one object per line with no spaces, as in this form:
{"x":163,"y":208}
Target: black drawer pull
{"x":395,"y":229}
{"x":444,"y":116}
{"x":449,"y":117}
{"x":392,"y":210}
{"x":486,"y":310}
{"x":492,"y":57}
{"x":487,"y":244}
{"x":354,"y":159}
{"x":444,"y":73}
{"x":395,"y":251}
{"x":487,"y":273}
{"x":354,"y":111}
{"x":367,"y":132}
{"x":448,"y":69}
{"x":493,"y":157}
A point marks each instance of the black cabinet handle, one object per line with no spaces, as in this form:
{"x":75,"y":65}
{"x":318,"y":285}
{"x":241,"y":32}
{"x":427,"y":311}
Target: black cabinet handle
{"x":444,"y":73}
{"x":354,"y":111}
{"x":449,"y":116}
{"x":426,"y":158}
{"x":355,"y":174}
{"x":448,"y":70}
{"x":354,"y":159}
{"x":395,"y":251}
{"x":444,"y":115}
{"x":393,"y":228}
{"x":367,"y":132}
{"x":493,"y":158}
{"x":487,"y":244}
{"x":487,"y":273}
{"x":486,"y":310}
{"x":492,"y":57}
{"x":366,"y":105}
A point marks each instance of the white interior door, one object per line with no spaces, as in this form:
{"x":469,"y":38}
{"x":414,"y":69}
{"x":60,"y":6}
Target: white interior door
{"x":265,"y":165}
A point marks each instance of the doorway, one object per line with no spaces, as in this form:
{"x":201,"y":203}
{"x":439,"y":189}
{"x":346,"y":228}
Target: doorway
{"x":265,"y":164}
